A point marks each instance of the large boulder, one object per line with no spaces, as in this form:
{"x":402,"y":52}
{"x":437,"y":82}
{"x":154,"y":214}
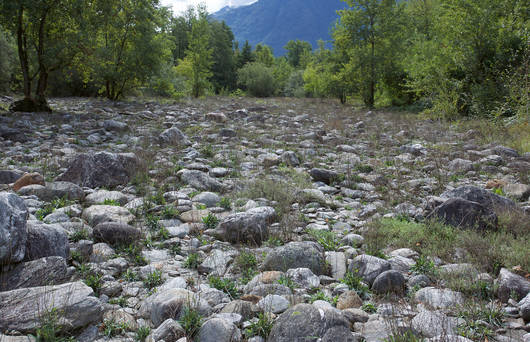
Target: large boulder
{"x":484,"y":197}
{"x":389,"y":281}
{"x":511,"y":285}
{"x":97,"y":214}
{"x":102,"y":169}
{"x":116,"y":233}
{"x":40,"y":272}
{"x":462,"y":213}
{"x":99,"y":197}
{"x":369,"y":267}
{"x":171,"y":303}
{"x":439,"y":298}
{"x":200,"y":180}
{"x":54,"y":190}
{"x":323,"y":175}
{"x":306,"y":322}
{"x":10,"y":176}
{"x":306,"y":254}
{"x":219,"y":330}
{"x":251,"y":226}
{"x":25,"y":309}
{"x":173,"y":137}
{"x":46,"y":240}
{"x":13,"y":230}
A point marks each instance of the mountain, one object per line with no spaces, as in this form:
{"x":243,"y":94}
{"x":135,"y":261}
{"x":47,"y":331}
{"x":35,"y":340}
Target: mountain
{"x":275,"y":22}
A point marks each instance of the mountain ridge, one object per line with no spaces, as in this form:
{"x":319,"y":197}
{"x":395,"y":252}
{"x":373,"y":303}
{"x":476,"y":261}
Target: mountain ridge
{"x":275,"y":22}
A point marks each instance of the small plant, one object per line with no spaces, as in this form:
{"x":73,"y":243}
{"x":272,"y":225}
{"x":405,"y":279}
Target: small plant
{"x":225,"y":203}
{"x":320,"y":295}
{"x":363,"y":168}
{"x":286,"y":281}
{"x":425,"y":266}
{"x":354,"y":282}
{"x":43,"y":212}
{"x":480,"y":320}
{"x":134,"y":252}
{"x":162,"y":234}
{"x":210,"y":221}
{"x":142,"y":333}
{"x":112,"y":328}
{"x":151,"y":221}
{"x":192,"y":261}
{"x":153,"y":279}
{"x":369,"y":307}
{"x":76,"y":256}
{"x":93,"y":280}
{"x":228,"y":286}
{"x":201,"y":206}
{"x":112,"y":202}
{"x":407,"y":336}
{"x":191,"y":321}
{"x":170,"y":212}
{"x":175,"y":249}
{"x":261,"y":327}
{"x":121,"y":301}
{"x":79,"y":235}
{"x":130,"y":275}
{"x":247,"y":264}
{"x":274,"y":241}
{"x":50,"y":330}
{"x":327,"y":239}
{"x":207,"y":151}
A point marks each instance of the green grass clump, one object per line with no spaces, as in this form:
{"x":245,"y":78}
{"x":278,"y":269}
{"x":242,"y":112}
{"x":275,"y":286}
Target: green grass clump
{"x":226,"y":285}
{"x":490,"y":250}
{"x":210,"y":221}
{"x":355,"y":283}
{"x":142,"y":333}
{"x":191,"y":321}
{"x":153,"y":279}
{"x":480,"y":320}
{"x":192,"y":261}
{"x":327,"y":239}
{"x":112,"y":202}
{"x":424,"y":266}
{"x":112,"y":328}
{"x":286,"y":281}
{"x":261,"y":327}
{"x":247,"y":264}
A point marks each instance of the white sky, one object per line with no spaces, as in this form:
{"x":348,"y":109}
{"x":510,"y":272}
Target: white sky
{"x":212,"y":5}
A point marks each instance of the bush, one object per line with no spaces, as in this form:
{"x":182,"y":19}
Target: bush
{"x":191,"y":321}
{"x":327,"y":239}
{"x":295,"y":85}
{"x":228,"y":286}
{"x":257,"y":79}
{"x":262,"y":327}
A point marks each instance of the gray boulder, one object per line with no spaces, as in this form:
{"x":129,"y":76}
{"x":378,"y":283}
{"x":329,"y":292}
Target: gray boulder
{"x":219,"y":330}
{"x":173,"y":137}
{"x":481,"y":196}
{"x":25,"y":309}
{"x":251,"y":226}
{"x":99,"y":197}
{"x":439,"y":298}
{"x":304,"y":322}
{"x":171,"y":303}
{"x":13,"y":231}
{"x":323,"y":175}
{"x":102,"y":169}
{"x":524,"y":308}
{"x":114,"y":126}
{"x":510,"y":284}
{"x":116,"y":233}
{"x":200,"y":180}
{"x":169,"y":331}
{"x":389,"y":281}
{"x":10,"y":176}
{"x":209,"y":199}
{"x":462,"y":213}
{"x":306,"y":254}
{"x":46,"y":240}
{"x":369,"y":267}
{"x":97,"y":214}
{"x":434,"y":323}
{"x":54,"y":190}
{"x":40,"y":272}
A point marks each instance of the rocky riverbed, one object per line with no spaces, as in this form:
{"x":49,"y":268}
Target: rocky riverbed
{"x":234,"y":219}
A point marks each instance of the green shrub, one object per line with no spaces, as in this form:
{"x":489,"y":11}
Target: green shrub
{"x":93,"y":280}
{"x":286,"y":281}
{"x":130,"y":275}
{"x":226,"y":285}
{"x":369,"y":307}
{"x":142,"y":333}
{"x":79,"y":235}
{"x":247,"y":264}
{"x":327,"y":239}
{"x":261,"y":327}
{"x":112,"y":202}
{"x":424,"y":265}
{"x":257,"y":79}
{"x":112,"y":328}
{"x":480,"y":320}
{"x":225,"y":203}
{"x":354,"y":282}
{"x":191,"y":321}
{"x":153,"y":279}
{"x":192,"y":261}
{"x":210,"y":221}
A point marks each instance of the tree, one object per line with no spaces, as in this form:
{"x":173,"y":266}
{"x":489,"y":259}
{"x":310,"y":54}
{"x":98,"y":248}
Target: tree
{"x":365,"y":34}
{"x":264,"y":55}
{"x":223,"y":67}
{"x":298,"y":53}
{"x":46,"y":32}
{"x":197,"y":64}
{"x":130,"y":43}
{"x":7,"y":60}
{"x":257,"y":79}
{"x":245,"y":56}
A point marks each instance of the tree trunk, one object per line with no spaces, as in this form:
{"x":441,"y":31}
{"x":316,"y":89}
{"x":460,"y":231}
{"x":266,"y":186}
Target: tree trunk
{"x":23,"y":54}
{"x":371,"y":100}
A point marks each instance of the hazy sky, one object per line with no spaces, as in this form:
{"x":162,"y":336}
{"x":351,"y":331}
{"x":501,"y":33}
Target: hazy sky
{"x":213,"y":5}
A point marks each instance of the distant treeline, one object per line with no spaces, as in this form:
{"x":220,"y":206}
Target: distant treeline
{"x":452,"y":57}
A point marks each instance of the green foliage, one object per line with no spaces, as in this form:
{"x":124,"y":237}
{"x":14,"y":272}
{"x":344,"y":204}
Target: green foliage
{"x":480,"y":320}
{"x":407,"y":336}
{"x":327,"y":239}
{"x":257,"y":79}
{"x":153,"y":279}
{"x":192,"y":261}
{"x":8,"y":65}
{"x":112,"y":328}
{"x":355,"y":283}
{"x":130,"y":275}
{"x":121,"y":301}
{"x":93,"y":280}
{"x":226,"y":285}
{"x":319,"y":295}
{"x":210,"y":221}
{"x":142,"y":333}
{"x":191,"y":321}
{"x":260,"y":327}
{"x":225,"y":203}
{"x":369,"y":307}
{"x":112,"y":202}
{"x":50,"y":330}
{"x":298,"y":53}
{"x":170,"y":212}
{"x":247,"y":265}
{"x":424,"y":265}
{"x":286,"y":281}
